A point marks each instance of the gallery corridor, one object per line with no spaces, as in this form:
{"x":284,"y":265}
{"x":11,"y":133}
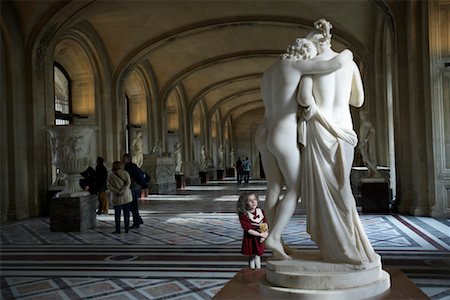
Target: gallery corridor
{"x":188,"y":248}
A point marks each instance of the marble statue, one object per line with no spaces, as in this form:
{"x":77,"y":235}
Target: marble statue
{"x":203,"y":159}
{"x":367,"y":144}
{"x":232,"y":158}
{"x":178,"y":159}
{"x":220,"y":156}
{"x":329,"y":140}
{"x":345,"y":266}
{"x":276,"y":135}
{"x":137,"y":149}
{"x":157,"y":149}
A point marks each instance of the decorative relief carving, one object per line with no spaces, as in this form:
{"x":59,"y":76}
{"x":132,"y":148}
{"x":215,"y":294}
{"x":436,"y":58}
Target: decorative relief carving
{"x":72,"y":154}
{"x":41,"y":51}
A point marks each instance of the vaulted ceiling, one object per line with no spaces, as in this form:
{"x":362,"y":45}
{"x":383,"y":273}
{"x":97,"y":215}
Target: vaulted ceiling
{"x":215,"y":50}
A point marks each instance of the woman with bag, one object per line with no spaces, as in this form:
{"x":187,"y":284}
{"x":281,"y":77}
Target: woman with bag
{"x":119,"y":185}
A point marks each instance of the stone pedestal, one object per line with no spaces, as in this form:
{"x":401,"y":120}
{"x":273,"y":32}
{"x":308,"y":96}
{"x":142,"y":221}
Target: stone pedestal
{"x":203,"y":177}
{"x":246,"y":285}
{"x":220,"y":174}
{"x":359,"y":173}
{"x":73,"y":214}
{"x":211,"y":174}
{"x":161,"y":171}
{"x":230,"y":172}
{"x":375,"y":195}
{"x":308,"y":277}
{"x":181,"y":181}
{"x":191,"y":173}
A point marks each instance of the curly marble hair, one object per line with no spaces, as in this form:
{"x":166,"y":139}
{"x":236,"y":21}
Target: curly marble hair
{"x":302,"y":48}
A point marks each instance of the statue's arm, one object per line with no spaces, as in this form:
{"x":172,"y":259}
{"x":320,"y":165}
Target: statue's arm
{"x":357,"y":94}
{"x":325,"y":66}
{"x":305,"y":92}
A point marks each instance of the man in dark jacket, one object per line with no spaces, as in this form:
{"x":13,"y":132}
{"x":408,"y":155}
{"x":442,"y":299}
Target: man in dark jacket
{"x":101,"y":175}
{"x":137,"y":183}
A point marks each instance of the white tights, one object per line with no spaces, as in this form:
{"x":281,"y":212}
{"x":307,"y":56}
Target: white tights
{"x":254,"y":262}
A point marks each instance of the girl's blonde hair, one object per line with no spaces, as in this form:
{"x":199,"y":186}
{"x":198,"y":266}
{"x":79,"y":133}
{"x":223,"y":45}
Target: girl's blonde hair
{"x":241,"y":206}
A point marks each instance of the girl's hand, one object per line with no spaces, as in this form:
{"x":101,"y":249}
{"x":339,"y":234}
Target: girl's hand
{"x":262,"y":240}
{"x":264,"y":234}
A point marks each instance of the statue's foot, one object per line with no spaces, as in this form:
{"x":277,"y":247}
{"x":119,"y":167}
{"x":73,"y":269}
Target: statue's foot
{"x":286,"y":248}
{"x":277,"y":249}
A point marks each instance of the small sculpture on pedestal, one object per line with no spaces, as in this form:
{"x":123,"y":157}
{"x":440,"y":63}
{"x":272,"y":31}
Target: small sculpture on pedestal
{"x":178,"y":159}
{"x":203,"y":159}
{"x":232,"y":158}
{"x":220,"y":155}
{"x":367,"y":144}
{"x":137,"y":149}
{"x":157,"y":149}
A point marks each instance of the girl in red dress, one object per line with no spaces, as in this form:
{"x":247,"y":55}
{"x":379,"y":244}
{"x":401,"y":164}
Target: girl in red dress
{"x":255,"y":228}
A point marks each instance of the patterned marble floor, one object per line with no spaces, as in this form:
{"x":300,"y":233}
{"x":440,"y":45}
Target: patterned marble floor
{"x":188,"y":248}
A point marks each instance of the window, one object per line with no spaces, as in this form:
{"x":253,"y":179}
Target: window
{"x":62,"y":96}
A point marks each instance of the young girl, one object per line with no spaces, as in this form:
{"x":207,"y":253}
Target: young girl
{"x":255,"y":228}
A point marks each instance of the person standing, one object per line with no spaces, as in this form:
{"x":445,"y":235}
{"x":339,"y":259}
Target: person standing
{"x":255,"y":228}
{"x":137,"y":183}
{"x":239,"y":170}
{"x":118,"y":183}
{"x":246,"y":165}
{"x":101,"y":175}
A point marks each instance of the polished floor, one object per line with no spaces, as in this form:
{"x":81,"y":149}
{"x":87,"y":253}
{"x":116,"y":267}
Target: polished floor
{"x":188,"y":248}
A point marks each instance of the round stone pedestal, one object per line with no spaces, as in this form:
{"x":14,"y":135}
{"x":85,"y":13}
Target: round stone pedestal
{"x":308,"y":277}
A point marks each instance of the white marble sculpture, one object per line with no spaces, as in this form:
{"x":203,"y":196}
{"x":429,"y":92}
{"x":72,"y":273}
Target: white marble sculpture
{"x":220,"y":155}
{"x":178,"y":159}
{"x":71,"y":153}
{"x":367,"y":144}
{"x":346,"y":266}
{"x":203,"y":159}
{"x":232,"y":158}
{"x":329,"y":141}
{"x":137,"y":149}
{"x":157,"y":150}
{"x":276,"y":135}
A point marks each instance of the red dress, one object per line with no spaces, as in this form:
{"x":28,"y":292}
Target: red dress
{"x":251,"y":244}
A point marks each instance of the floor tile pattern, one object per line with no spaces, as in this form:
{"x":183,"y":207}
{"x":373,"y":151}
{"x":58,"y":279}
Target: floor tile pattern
{"x":188,"y":248}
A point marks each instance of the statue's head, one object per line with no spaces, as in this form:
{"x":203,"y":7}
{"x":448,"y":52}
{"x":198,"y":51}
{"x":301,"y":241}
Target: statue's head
{"x":322,"y":33}
{"x":302,"y":48}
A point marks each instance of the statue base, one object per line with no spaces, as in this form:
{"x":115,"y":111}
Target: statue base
{"x":73,"y":214}
{"x":308,"y":276}
{"x":181,"y":181}
{"x":230,"y":172}
{"x":162,"y":188}
{"x":193,"y":181}
{"x":220,"y":174}
{"x":203,"y":177}
{"x":161,"y":171}
{"x":246,"y":284}
{"x":211,"y":174}
{"x":374,"y":195}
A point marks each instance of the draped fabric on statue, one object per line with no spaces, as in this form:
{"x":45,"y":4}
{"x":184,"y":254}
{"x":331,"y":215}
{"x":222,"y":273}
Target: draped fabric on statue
{"x":332,"y":219}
